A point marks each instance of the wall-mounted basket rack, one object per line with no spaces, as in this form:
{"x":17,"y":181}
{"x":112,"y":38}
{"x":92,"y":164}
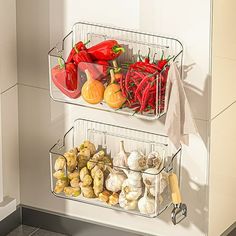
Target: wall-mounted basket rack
{"x":107,"y":137}
{"x":136,"y":45}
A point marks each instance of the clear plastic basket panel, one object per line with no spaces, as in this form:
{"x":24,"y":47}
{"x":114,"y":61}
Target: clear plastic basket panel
{"x":137,"y":186}
{"x":136,"y":44}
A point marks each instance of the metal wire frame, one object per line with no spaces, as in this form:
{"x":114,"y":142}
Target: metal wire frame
{"x":166,"y":42}
{"x":168,"y":167}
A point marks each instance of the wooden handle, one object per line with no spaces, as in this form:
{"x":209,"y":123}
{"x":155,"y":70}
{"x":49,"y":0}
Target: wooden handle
{"x":174,"y":187}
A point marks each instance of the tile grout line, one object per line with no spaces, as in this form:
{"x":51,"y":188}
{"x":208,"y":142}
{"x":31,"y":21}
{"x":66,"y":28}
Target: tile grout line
{"x":226,"y":108}
{"x":46,"y":89}
{"x":9,"y":88}
{"x":32,"y":86}
{"x":36,"y":230}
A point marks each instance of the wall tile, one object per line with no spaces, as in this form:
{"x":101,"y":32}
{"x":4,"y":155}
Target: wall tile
{"x":8,"y":60}
{"x":10,"y":144}
{"x":223,"y":84}
{"x":222,"y":172}
{"x":224,"y":33}
{"x":33,"y":42}
{"x":40,"y":129}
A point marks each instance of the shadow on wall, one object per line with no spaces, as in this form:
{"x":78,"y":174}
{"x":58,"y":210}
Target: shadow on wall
{"x":197,"y":209}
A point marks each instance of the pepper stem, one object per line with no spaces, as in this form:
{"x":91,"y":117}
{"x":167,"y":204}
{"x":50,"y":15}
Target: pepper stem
{"x":76,"y":49}
{"x":87,"y":42}
{"x":112,"y":76}
{"x":149,"y":51}
{"x":169,"y":58}
{"x":139,"y":56}
{"x":154,"y":57}
{"x":117,"y":49}
{"x":162,"y":56}
{"x":61,"y":62}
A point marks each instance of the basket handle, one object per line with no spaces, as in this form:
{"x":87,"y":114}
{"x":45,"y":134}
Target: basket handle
{"x":174,"y":187}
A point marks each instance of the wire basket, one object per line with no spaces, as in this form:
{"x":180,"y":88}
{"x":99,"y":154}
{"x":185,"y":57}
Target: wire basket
{"x":136,"y":183}
{"x":137,"y":45}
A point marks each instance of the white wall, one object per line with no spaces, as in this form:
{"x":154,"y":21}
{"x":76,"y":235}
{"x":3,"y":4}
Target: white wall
{"x":222,"y":209}
{"x":9,"y":171}
{"x":42,"y":120}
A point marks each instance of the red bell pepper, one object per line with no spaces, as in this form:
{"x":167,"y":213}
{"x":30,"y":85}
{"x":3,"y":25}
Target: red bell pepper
{"x":78,"y":47}
{"x":107,"y":50}
{"x":64,"y":76}
{"x":84,"y":62}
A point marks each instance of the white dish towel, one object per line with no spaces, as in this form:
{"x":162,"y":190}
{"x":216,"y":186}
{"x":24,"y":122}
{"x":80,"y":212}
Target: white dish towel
{"x":179,"y":121}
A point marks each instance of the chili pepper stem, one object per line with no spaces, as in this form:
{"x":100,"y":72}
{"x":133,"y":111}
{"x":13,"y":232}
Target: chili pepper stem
{"x":153,"y":61}
{"x":87,"y":42}
{"x":169,"y":58}
{"x":149,"y":51}
{"x":61,"y":63}
{"x":162,"y":56}
{"x":139,"y":56}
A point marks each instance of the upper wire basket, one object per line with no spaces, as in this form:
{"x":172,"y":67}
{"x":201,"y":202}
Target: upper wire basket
{"x":137,"y":46}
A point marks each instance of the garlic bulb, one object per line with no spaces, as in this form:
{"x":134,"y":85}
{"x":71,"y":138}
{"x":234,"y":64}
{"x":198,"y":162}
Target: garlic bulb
{"x":120,"y":160}
{"x":146,"y":205}
{"x":156,"y":183}
{"x":115,"y":180}
{"x":127,"y":204}
{"x":131,"y":192}
{"x":163,"y":183}
{"x":151,"y":177}
{"x":154,"y":160}
{"x":134,"y":178}
{"x":136,"y":161}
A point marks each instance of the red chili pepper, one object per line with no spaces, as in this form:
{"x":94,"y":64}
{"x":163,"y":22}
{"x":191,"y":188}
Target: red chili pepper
{"x":147,"y":59}
{"x":78,"y":47}
{"x":82,"y":56}
{"x":106,"y":50}
{"x":122,"y":87}
{"x":163,"y":62}
{"x":140,"y":87}
{"x":64,"y":76}
{"x":145,"y":97}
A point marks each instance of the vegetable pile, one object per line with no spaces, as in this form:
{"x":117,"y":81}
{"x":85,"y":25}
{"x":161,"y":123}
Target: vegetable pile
{"x":131,"y":180}
{"x":141,"y":86}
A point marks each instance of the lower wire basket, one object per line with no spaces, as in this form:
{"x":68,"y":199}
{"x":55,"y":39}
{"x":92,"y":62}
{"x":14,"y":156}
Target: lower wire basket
{"x":114,"y":167}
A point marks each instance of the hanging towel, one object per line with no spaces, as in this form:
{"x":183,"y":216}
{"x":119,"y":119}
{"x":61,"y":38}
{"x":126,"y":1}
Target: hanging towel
{"x":179,"y":121}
